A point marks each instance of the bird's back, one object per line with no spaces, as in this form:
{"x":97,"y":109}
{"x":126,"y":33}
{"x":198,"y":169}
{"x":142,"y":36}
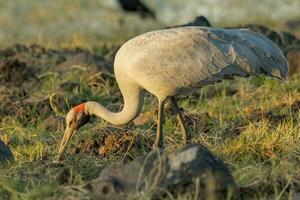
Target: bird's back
{"x":166,"y":62}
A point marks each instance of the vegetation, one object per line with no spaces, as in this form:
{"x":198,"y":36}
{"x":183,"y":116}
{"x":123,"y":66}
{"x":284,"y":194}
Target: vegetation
{"x":251,"y":124}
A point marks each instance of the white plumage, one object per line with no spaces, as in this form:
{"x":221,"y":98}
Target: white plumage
{"x":174,"y":61}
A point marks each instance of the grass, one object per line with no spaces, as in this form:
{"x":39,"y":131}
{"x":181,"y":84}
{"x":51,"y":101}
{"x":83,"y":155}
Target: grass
{"x":86,"y":23}
{"x":263,"y":157}
{"x":250,"y":124}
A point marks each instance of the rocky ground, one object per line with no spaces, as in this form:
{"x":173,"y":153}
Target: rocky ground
{"x":255,"y":135}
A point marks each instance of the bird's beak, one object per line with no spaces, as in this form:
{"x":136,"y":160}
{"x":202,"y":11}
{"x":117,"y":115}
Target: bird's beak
{"x":69,"y":132}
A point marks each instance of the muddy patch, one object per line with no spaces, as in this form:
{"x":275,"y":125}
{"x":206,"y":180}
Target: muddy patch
{"x":20,"y":62}
{"x":15,"y":72}
{"x":106,"y":141}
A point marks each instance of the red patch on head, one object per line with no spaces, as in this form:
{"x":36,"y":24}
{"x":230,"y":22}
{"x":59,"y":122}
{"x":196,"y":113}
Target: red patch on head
{"x":80,"y":108}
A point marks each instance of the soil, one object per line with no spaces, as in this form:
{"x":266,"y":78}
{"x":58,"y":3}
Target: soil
{"x":22,"y":69}
{"x":105,"y":141}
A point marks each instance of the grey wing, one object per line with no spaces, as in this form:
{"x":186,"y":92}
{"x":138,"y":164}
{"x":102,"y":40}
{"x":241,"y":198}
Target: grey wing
{"x":210,"y":55}
{"x":254,"y":53}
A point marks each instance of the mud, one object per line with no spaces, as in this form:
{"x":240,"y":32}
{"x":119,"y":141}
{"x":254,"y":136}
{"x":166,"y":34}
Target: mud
{"x":15,"y":72}
{"x":106,"y":141}
{"x":19,"y":63}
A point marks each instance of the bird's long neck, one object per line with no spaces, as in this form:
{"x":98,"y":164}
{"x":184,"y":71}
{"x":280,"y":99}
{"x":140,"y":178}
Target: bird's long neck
{"x":133,"y":97}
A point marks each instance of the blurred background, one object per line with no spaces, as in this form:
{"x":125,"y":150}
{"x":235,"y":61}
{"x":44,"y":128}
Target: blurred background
{"x":59,"y":23}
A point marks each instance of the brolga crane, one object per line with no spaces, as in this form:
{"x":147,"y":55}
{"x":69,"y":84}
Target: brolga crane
{"x":175,"y":61}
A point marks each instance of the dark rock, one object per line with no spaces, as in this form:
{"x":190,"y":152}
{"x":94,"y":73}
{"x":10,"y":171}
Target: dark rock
{"x":136,"y":6}
{"x":293,"y":58}
{"x":293,"y":24}
{"x":192,"y":170}
{"x":198,"y":21}
{"x":14,"y":71}
{"x":5,"y":153}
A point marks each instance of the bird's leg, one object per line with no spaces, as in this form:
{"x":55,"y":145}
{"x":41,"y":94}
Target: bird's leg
{"x":159,"y":135}
{"x":185,"y":134}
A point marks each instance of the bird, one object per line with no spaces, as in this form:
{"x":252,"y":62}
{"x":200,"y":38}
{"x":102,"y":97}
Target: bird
{"x":176,"y":61}
{"x":138,"y":7}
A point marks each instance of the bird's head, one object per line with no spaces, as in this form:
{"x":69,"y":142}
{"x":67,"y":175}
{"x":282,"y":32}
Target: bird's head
{"x":75,"y":118}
